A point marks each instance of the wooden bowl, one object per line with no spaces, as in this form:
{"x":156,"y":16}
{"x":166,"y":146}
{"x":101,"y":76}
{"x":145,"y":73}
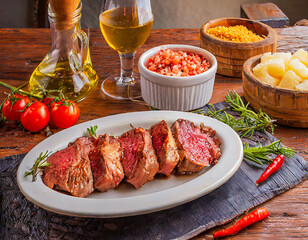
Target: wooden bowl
{"x":230,"y":55}
{"x":289,"y":107}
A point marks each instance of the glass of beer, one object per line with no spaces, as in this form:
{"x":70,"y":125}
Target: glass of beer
{"x":125,"y":24}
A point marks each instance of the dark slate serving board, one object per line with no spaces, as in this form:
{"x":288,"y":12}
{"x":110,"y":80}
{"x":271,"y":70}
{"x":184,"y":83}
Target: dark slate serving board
{"x":20,"y":219}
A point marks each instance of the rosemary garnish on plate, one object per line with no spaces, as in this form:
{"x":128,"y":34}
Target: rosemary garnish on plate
{"x":248,"y":121}
{"x":39,"y":164}
{"x":92,"y":131}
{"x":260,"y":154}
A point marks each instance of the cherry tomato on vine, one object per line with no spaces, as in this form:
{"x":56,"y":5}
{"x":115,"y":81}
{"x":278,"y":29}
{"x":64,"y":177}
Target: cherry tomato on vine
{"x":36,"y":117}
{"x":49,"y":101}
{"x":12,"y":109}
{"x":64,"y":115}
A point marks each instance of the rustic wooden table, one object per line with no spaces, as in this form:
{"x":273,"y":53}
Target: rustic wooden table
{"x":21,"y":50}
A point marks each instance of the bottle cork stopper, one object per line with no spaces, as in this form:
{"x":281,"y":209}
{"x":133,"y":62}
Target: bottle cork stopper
{"x":64,"y":7}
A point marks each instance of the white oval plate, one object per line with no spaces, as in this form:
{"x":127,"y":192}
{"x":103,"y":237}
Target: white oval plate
{"x":159,"y":194}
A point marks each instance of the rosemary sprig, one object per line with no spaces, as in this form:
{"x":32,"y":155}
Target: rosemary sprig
{"x":261,"y":119}
{"x":260,"y":154}
{"x":92,"y":131}
{"x":248,"y":121}
{"x":39,"y":164}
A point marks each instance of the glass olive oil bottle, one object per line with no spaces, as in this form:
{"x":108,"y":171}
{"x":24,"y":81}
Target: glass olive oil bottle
{"x":67,"y":66}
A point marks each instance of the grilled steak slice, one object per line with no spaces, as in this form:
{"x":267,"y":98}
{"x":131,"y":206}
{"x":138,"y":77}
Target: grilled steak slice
{"x":214,"y":142}
{"x":165,"y":147}
{"x":195,"y":148}
{"x":139,"y":159}
{"x":70,"y":169}
{"x":106,"y":163}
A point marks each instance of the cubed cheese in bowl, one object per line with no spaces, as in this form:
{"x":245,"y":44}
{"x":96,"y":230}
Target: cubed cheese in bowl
{"x":281,"y":93}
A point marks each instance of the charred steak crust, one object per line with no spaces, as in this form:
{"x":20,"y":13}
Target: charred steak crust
{"x":106,"y":163}
{"x":196,"y":148}
{"x":70,"y":169}
{"x":139,"y":160}
{"x":165,"y":147}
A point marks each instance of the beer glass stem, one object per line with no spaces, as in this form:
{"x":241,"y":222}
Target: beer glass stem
{"x":127,"y":64}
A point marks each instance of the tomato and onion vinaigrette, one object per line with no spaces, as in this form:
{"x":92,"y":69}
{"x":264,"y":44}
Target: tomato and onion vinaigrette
{"x":177,"y":63}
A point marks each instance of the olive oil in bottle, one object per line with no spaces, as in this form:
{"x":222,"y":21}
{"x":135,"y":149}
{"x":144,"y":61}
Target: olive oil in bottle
{"x":67,"y":66}
{"x":74,"y":83}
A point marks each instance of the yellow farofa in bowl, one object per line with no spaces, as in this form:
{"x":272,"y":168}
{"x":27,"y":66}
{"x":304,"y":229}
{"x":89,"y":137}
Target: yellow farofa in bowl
{"x":237,"y":33}
{"x":232,"y":47}
{"x":284,"y":70}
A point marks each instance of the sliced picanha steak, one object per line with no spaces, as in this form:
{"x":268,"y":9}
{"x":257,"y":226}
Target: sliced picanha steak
{"x":214,"y":141}
{"x":106,"y":163}
{"x":70,"y":169}
{"x":165,"y":147}
{"x":196,"y":149}
{"x":139,"y":159}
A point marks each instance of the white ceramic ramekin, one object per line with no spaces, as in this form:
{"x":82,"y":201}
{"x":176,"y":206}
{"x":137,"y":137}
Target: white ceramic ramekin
{"x":177,"y":93}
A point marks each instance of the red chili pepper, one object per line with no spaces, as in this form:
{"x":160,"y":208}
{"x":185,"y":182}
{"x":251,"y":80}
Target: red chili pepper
{"x":273,"y":167}
{"x":255,"y":216}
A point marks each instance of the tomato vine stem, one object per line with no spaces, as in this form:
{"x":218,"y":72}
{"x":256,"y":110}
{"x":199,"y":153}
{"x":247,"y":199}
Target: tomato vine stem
{"x":22,"y":92}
